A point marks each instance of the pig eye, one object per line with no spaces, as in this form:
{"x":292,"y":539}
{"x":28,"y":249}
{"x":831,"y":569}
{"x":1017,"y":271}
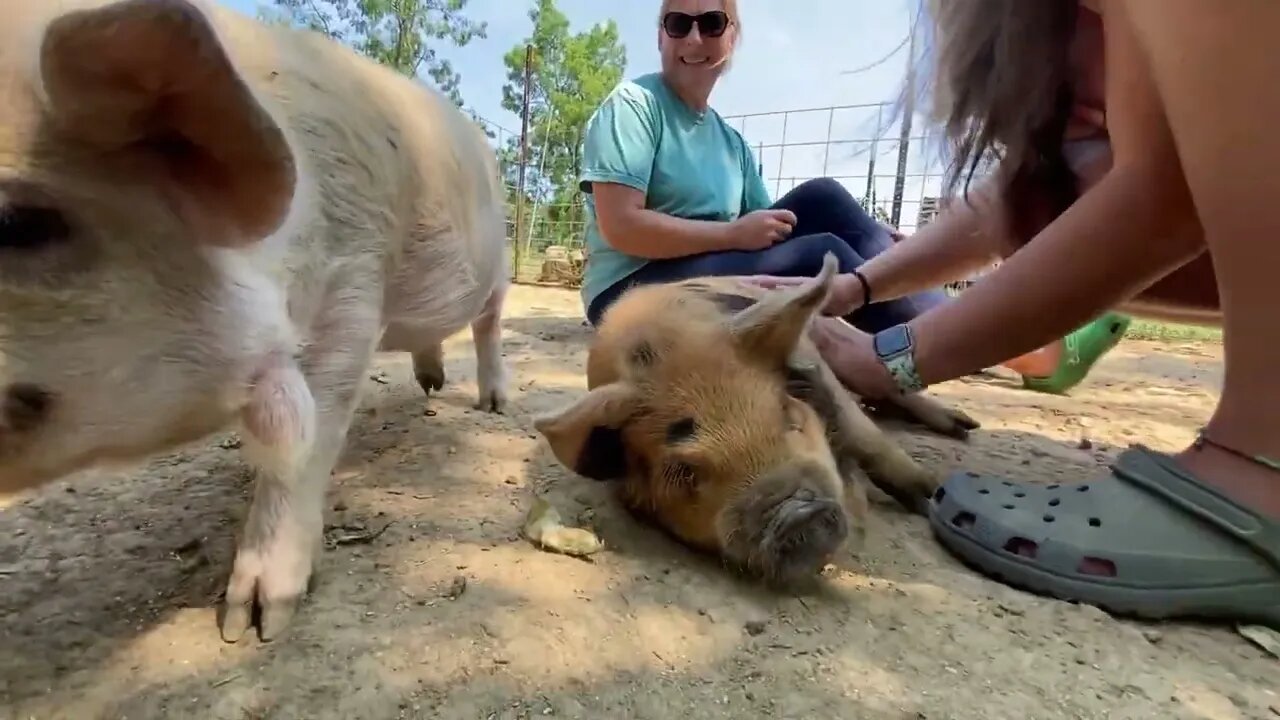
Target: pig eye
{"x":29,"y":228}
{"x":681,"y":430}
{"x":679,"y":474}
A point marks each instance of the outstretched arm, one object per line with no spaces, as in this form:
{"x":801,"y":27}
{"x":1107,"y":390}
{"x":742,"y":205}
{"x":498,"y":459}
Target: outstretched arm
{"x":965,"y":237}
{"x":1122,"y":235}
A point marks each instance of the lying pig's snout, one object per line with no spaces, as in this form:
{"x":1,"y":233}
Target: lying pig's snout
{"x":805,"y":519}
{"x":804,"y":533}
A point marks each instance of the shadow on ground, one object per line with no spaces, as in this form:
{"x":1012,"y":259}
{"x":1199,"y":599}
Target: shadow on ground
{"x":109,"y":585}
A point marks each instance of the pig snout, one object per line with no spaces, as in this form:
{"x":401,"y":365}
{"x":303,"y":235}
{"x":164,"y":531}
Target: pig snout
{"x":786,"y":524}
{"x":802,"y":534}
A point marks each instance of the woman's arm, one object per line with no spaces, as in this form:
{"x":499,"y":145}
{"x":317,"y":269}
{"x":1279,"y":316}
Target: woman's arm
{"x":619,"y":147}
{"x":968,"y":236}
{"x":618,"y":153}
{"x":965,"y":237}
{"x":631,"y":228}
{"x":1122,"y":235}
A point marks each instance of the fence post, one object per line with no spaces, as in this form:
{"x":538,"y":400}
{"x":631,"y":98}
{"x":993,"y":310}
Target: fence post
{"x":904,"y":139}
{"x":524,"y":161}
{"x":871,"y":162}
{"x":782,"y":152}
{"x":826,"y":149}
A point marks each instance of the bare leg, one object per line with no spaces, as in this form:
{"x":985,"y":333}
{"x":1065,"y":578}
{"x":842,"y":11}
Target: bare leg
{"x":1216,"y":77}
{"x":1157,"y":535}
{"x":1194,"y":533}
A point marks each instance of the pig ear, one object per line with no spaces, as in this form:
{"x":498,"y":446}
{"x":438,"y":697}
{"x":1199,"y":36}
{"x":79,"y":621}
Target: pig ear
{"x":771,"y":328}
{"x":151,"y":76}
{"x":587,"y":435}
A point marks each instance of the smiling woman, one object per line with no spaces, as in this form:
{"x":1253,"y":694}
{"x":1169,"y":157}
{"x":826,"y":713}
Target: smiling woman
{"x":674,"y":192}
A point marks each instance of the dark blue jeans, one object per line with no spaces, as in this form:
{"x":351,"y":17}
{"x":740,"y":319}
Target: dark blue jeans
{"x":828,"y":219}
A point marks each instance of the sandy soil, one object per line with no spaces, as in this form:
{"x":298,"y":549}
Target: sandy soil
{"x":109,"y":583}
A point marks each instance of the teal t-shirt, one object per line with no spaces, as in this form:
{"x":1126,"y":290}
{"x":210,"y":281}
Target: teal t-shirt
{"x":688,"y":164}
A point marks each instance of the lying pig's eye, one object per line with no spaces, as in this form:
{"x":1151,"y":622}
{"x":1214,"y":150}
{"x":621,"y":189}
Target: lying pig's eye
{"x":28,"y":228}
{"x":681,"y":430}
{"x":679,"y":474}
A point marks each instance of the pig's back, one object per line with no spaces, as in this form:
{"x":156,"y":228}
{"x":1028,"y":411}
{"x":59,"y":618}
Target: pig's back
{"x":394,"y":164}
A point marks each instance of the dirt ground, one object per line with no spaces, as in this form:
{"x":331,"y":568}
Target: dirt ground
{"x":109,"y":584}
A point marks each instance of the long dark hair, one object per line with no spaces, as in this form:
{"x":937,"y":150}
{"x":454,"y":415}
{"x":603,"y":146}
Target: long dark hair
{"x":999,"y":84}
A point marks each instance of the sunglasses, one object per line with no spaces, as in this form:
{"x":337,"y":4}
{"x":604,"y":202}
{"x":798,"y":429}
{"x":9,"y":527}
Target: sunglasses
{"x":710,"y":24}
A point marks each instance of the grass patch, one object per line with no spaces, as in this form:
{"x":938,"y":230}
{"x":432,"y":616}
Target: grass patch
{"x":1172,"y":332}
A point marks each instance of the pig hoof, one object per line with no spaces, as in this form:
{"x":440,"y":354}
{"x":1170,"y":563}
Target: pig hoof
{"x":265,"y":592}
{"x":492,"y":401}
{"x":964,"y":423}
{"x":276,"y":615}
{"x":273,"y":619}
{"x":236,"y":620}
{"x":428,"y":369}
{"x":934,"y":415}
{"x":430,"y":379}
{"x":952,"y":423}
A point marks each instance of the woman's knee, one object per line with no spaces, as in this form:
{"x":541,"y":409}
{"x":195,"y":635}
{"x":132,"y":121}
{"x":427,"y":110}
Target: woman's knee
{"x":826,"y":191}
{"x":810,"y":250}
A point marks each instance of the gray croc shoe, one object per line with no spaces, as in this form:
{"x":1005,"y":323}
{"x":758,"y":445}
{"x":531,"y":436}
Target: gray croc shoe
{"x":1148,"y":539}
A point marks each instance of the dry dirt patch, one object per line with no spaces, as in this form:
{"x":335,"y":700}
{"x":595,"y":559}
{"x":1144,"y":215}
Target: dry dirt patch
{"x":109,"y":583}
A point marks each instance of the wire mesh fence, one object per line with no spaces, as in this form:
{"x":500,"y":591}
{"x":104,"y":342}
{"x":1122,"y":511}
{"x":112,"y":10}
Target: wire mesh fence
{"x":888,"y":170}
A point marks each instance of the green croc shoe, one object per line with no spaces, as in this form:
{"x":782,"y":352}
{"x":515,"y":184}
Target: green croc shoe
{"x":1147,"y":539}
{"x":1082,"y":348}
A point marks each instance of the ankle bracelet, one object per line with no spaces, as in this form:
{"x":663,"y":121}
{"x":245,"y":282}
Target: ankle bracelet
{"x":1202,"y":439}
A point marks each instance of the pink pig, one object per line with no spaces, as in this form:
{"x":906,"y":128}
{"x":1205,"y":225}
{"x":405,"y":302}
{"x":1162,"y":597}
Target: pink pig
{"x":205,"y":220}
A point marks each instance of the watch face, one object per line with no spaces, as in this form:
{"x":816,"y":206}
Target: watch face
{"x":892,"y":341}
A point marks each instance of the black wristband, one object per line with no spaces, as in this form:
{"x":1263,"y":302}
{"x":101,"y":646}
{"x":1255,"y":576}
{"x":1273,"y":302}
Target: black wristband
{"x":866,"y":287}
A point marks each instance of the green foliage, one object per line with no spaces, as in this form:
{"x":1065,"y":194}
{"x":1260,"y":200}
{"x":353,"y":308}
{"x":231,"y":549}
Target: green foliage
{"x":1154,"y":331}
{"x":397,"y":33}
{"x":571,"y":75}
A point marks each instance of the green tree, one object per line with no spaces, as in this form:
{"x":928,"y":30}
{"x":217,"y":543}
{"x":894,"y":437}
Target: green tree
{"x":571,"y":74}
{"x":397,"y":33}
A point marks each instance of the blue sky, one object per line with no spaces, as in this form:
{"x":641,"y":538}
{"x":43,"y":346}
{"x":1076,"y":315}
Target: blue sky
{"x":791,"y":57}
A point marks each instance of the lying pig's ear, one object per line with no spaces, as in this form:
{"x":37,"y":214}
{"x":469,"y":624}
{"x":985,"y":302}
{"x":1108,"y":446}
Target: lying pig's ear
{"x":587,"y":436}
{"x":151,"y":76}
{"x":771,"y":328}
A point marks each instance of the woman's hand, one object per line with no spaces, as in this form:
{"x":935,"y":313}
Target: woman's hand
{"x":846,"y":290}
{"x":895,"y":234}
{"x":760,"y":229}
{"x":852,"y":358}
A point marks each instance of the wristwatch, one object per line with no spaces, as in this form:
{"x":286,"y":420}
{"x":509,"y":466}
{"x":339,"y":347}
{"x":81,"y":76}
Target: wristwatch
{"x":895,"y":348}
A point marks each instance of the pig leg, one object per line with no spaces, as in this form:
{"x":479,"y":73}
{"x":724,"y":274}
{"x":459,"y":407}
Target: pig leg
{"x":929,"y":412}
{"x":491,"y":370}
{"x":428,"y":368}
{"x":296,"y":427}
{"x":853,"y":434}
{"x":855,"y":498}
{"x":887,"y":465}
